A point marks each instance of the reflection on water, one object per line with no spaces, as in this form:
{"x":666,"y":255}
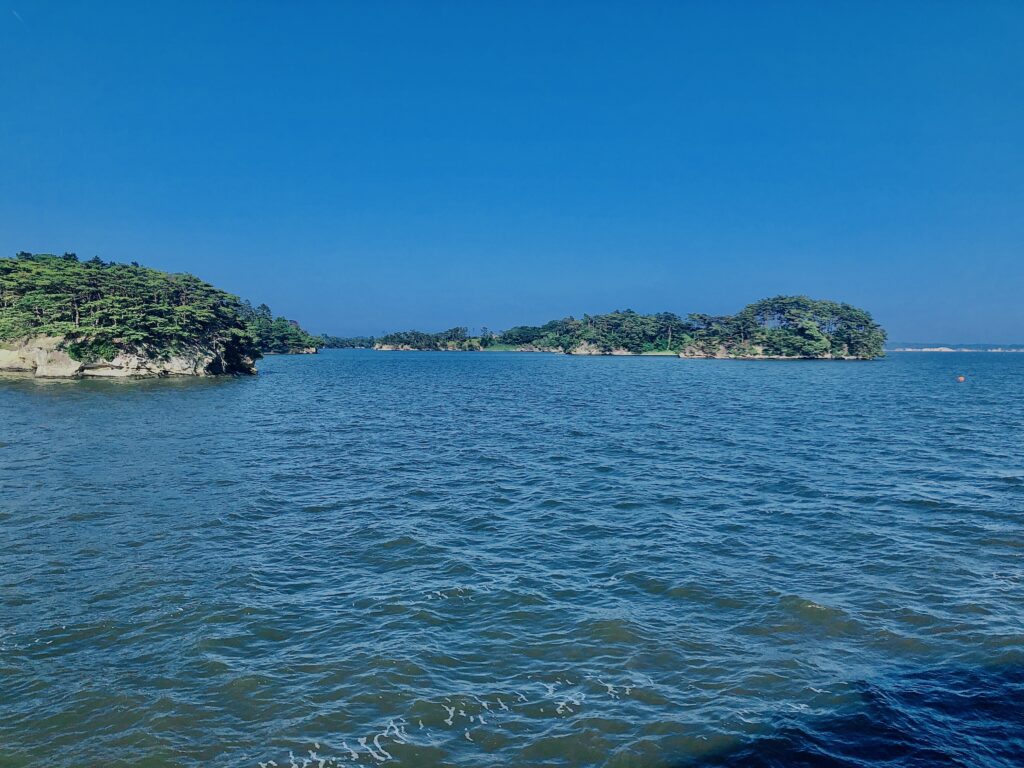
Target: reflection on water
{"x":28,"y":383}
{"x":426,"y":559}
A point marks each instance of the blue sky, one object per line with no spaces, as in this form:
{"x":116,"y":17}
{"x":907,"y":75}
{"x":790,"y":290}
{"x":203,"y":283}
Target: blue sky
{"x":372,"y":166}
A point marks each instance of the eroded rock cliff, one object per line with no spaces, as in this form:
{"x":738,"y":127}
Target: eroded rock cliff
{"x":49,"y":357}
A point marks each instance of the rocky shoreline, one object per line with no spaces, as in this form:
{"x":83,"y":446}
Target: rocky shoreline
{"x":587,"y":349}
{"x":959,"y":349}
{"x":48,"y":357}
{"x":302,"y":351}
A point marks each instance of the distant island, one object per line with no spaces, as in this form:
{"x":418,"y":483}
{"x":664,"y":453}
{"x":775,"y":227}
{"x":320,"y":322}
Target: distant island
{"x":779,"y":328}
{"x":956,"y":348}
{"x":62,"y":317}
{"x":346,"y":342}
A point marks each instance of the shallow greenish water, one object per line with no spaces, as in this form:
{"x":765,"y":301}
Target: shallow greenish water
{"x":421,"y":559}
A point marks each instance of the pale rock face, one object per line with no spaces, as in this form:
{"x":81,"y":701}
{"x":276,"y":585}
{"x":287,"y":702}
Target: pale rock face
{"x":756,"y":353}
{"x":14,"y":360}
{"x":56,"y":364}
{"x":125,"y":365}
{"x":43,"y":357}
{"x":585,"y":348}
{"x":721,"y":353}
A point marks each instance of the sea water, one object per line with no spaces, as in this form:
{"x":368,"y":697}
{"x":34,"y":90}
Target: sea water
{"x":420,"y":559}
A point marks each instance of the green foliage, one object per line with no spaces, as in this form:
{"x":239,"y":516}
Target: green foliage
{"x":89,"y":350}
{"x":103,"y":308}
{"x":275,"y":335}
{"x":802,"y":327}
{"x":784,"y":326}
{"x":621,"y":330}
{"x":345,"y":342}
{"x":453,"y":339}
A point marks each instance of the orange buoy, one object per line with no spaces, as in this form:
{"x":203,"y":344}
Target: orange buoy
{"x":961,"y":379}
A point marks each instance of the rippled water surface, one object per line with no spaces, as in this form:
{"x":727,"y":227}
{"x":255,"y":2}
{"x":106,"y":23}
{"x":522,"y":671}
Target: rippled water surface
{"x":422,"y":559}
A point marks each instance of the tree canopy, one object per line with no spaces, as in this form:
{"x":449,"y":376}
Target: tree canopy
{"x":275,"y":335}
{"x":100,"y":308}
{"x":783,"y":326}
{"x":453,"y":339}
{"x":346,"y":342}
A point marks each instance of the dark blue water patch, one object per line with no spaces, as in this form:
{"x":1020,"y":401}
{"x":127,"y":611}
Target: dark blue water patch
{"x":945,"y":716}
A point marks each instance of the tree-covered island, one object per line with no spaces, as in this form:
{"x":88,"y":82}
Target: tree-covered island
{"x":63,"y":317}
{"x":783,"y":327}
{"x":60,"y":316}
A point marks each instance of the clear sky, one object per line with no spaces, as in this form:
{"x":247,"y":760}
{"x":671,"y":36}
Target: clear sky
{"x":375,"y":166}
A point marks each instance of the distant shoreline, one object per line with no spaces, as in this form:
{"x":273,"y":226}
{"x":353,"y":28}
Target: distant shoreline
{"x":721,"y":354}
{"x":777,"y":328}
{"x":956,"y":349}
